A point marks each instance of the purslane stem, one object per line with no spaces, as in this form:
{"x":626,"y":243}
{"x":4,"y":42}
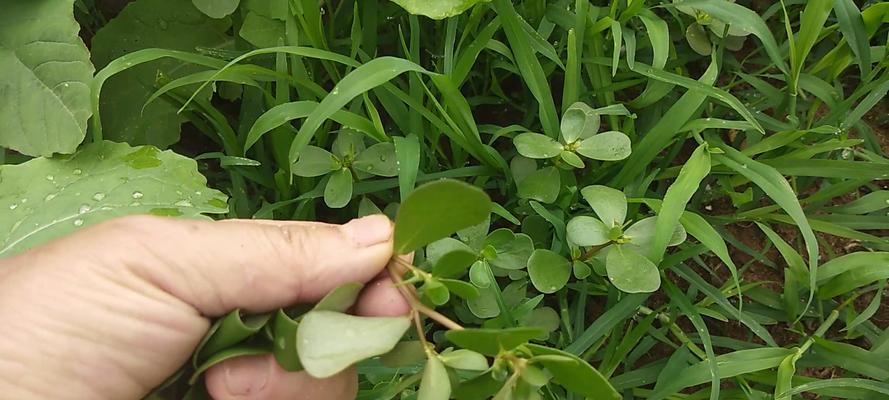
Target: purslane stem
{"x":413,"y":300}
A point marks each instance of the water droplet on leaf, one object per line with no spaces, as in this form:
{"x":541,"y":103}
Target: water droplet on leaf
{"x":137,"y":195}
{"x":78,"y":222}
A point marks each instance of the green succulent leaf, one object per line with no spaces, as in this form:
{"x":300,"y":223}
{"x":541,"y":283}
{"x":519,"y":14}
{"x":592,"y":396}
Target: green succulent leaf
{"x":348,"y":144}
{"x":606,"y":146}
{"x":512,"y":249}
{"x":284,"y":331}
{"x":535,"y":145}
{"x":378,"y":159}
{"x":579,"y":122}
{"x":46,"y":198}
{"x":315,"y":161}
{"x":46,"y":76}
{"x":227,"y":332}
{"x":587,"y":231}
{"x":329,"y":342}
{"x":454,"y":264}
{"x":549,"y":271}
{"x":490,"y":341}
{"x":341,"y":298}
{"x":435,"y":384}
{"x":479,"y":274}
{"x":462,"y":289}
{"x":571,"y":159}
{"x":573,"y":373}
{"x":609,"y":204}
{"x":630,"y":271}
{"x":466,"y":360}
{"x":542,"y":185}
{"x":437,"y":210}
{"x":338,"y":192}
{"x":436,"y":292}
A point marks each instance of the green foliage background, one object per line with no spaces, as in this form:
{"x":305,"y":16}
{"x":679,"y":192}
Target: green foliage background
{"x":689,"y":198}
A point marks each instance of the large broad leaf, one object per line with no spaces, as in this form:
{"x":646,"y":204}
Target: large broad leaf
{"x":437,"y":210}
{"x":166,"y":24}
{"x":329,"y":342}
{"x":46,"y":198}
{"x":216,"y":8}
{"x":439,"y":9}
{"x":44,"y":92}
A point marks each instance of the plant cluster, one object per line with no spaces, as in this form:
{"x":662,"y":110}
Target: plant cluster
{"x":603,"y":199}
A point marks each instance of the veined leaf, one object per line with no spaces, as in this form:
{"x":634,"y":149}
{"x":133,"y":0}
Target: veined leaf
{"x":44,"y":100}
{"x":46,"y":198}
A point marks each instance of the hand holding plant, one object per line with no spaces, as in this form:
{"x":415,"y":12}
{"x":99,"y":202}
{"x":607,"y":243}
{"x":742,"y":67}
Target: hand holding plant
{"x":111,"y":312}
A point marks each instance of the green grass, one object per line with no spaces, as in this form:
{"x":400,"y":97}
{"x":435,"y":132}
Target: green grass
{"x":768,"y":157}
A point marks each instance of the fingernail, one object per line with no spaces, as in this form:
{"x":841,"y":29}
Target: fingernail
{"x":247,"y":375}
{"x":369,"y":230}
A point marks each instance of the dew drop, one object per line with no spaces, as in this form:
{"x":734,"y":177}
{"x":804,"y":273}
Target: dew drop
{"x":135,"y":204}
{"x":24,"y":201}
{"x":137,"y":195}
{"x":744,"y":166}
{"x":335,"y":91}
{"x":84,"y":208}
{"x":99,"y":196}
{"x":78,"y":222}
{"x":77,"y":171}
{"x":183,"y":203}
{"x":49,"y":197}
{"x":198,"y":193}
{"x":50,"y":178}
{"x":13,"y":206}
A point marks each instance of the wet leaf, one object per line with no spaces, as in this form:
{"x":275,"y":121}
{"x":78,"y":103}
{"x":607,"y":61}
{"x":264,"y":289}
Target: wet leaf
{"x":45,"y":198}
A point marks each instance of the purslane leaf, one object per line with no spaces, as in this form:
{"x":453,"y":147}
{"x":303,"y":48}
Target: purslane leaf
{"x":437,"y":210}
{"x":329,"y":342}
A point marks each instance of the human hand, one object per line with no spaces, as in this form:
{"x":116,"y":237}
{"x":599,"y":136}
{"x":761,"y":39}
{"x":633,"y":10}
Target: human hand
{"x":110,"y":312}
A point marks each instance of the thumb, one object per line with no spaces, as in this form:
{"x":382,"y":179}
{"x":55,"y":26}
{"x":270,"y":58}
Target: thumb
{"x":254,"y":265}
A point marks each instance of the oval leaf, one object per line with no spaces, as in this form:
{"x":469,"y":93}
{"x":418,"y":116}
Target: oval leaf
{"x":535,"y":145}
{"x":548,"y":270}
{"x":435,"y":384}
{"x":437,"y":210}
{"x":606,"y":146}
{"x":631,"y":272}
{"x":587,"y":231}
{"x":329,"y":342}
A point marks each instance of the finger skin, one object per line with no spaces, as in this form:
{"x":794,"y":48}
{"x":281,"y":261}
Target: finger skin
{"x":112,"y":311}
